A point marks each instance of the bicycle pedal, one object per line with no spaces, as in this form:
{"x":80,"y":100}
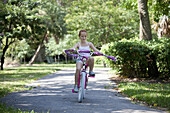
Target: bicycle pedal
{"x":92,"y":76}
{"x":74,"y":91}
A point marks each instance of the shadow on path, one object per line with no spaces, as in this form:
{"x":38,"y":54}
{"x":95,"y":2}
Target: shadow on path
{"x":54,"y":95}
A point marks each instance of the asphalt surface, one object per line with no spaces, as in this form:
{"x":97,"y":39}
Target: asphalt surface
{"x":54,"y":96}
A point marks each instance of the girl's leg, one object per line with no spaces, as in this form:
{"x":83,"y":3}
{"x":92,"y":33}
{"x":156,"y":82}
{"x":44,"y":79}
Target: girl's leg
{"x":79,"y":65}
{"x":90,"y":63}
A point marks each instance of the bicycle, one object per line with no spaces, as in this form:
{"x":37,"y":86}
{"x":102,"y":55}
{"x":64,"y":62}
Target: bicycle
{"x":83,"y":78}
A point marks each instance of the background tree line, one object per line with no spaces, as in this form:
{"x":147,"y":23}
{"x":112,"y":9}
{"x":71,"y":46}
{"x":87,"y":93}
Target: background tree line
{"x":33,"y":29}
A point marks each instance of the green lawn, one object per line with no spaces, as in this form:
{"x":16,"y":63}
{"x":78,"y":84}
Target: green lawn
{"x":152,"y":94}
{"x":13,"y":79}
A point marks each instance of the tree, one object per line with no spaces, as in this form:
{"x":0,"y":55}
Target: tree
{"x":53,"y":23}
{"x":145,"y":27}
{"x":19,"y":50}
{"x":105,"y":21}
{"x":158,"y":11}
{"x":65,"y":3}
{"x":145,"y":34}
{"x":158,"y":8}
{"x":53,"y":49}
{"x":15,"y":22}
{"x":54,"y":19}
{"x":11,"y":27}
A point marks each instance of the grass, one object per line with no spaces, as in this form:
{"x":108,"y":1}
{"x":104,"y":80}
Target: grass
{"x":153,"y":94}
{"x":13,"y":79}
{"x":5,"y":109}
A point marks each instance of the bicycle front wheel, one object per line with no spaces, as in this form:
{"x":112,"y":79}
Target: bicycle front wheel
{"x":82,"y":87}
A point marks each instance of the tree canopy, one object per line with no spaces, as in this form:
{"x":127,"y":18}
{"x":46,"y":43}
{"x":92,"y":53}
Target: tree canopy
{"x":105,"y":21}
{"x":35,"y":22}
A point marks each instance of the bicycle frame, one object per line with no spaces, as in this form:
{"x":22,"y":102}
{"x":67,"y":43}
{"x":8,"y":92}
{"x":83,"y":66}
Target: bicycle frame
{"x":83,"y":59}
{"x":83,"y":70}
{"x":82,"y":84}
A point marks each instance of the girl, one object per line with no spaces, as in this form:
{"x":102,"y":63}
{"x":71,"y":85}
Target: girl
{"x":83,"y":45}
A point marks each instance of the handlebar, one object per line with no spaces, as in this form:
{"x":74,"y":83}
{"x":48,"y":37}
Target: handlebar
{"x":91,"y":53}
{"x":76,"y":53}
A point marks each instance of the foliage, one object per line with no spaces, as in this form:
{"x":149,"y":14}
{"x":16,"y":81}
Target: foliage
{"x":30,"y":20}
{"x":162,"y":27}
{"x":16,"y":19}
{"x":53,"y":49}
{"x":129,"y":4}
{"x":104,"y":21}
{"x":152,"y":94}
{"x":99,"y":60}
{"x":53,"y":15}
{"x":19,"y":50}
{"x":156,"y":8}
{"x":135,"y":56}
{"x":6,"y":109}
{"x":19,"y":20}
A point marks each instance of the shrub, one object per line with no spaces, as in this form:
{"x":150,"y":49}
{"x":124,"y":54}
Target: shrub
{"x":140,"y":58}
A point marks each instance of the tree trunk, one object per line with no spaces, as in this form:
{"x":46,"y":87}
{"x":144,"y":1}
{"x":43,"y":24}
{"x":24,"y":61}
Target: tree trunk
{"x":58,"y":59}
{"x":3,"y":56}
{"x":145,"y":28}
{"x":145,"y":34}
{"x":4,"y":51}
{"x":41,"y":55}
{"x":35,"y":55}
{"x":65,"y":58}
{"x":56,"y":38}
{"x":55,"y":59}
{"x":38,"y":50}
{"x":24,"y":60}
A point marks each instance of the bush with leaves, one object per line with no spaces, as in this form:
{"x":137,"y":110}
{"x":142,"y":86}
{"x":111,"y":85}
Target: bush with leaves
{"x":20,"y":50}
{"x":140,"y":58}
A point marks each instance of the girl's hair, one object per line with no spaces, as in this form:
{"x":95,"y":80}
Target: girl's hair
{"x":82,"y":31}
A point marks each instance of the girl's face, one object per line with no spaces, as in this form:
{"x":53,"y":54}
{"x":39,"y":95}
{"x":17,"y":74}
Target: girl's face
{"x":83,"y":36}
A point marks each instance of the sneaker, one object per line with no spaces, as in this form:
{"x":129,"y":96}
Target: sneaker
{"x":76,"y":88}
{"x":91,"y":73}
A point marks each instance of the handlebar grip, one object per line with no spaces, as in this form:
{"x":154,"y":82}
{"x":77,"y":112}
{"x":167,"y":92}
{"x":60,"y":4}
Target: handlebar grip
{"x":96,"y":53}
{"x":67,"y":52}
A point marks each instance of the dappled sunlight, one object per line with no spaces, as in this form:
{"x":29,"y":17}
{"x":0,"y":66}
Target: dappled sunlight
{"x":53,"y":93}
{"x":24,"y":105}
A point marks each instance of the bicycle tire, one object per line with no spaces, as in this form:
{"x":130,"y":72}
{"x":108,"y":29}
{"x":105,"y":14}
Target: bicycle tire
{"x":82,"y":87}
{"x":85,"y":88}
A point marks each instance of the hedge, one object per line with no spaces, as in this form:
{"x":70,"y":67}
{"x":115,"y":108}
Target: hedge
{"x":140,"y":58}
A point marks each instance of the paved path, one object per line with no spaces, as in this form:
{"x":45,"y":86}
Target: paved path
{"x":54,"y":95}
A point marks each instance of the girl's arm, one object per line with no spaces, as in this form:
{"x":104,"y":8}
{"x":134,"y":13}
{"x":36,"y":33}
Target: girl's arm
{"x":94,"y":49}
{"x":75,"y":46}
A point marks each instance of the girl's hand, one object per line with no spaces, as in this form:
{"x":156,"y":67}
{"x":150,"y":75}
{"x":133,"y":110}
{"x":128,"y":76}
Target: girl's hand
{"x":100,"y":53}
{"x":71,"y":49}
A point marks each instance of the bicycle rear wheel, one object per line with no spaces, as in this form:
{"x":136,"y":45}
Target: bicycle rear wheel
{"x":82,"y":87}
